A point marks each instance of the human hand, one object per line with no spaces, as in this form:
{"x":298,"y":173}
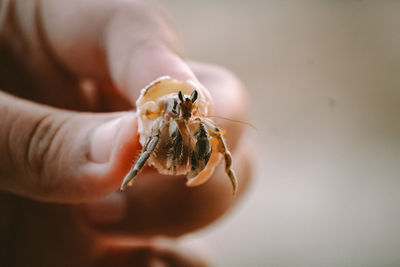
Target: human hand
{"x":80,"y":56}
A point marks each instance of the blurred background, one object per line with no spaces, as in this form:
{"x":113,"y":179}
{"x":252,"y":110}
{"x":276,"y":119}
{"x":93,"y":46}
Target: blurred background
{"x":324,"y":84}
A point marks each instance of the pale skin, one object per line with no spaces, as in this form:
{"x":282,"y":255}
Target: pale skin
{"x":63,"y":162}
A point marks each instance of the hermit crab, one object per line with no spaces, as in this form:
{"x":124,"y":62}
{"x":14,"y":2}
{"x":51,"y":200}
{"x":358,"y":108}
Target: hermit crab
{"x":176,"y":135}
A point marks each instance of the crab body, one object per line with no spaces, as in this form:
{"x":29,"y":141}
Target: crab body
{"x":176,"y":136}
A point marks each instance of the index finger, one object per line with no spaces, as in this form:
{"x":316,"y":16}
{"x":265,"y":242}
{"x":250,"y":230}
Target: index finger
{"x":127,"y":44}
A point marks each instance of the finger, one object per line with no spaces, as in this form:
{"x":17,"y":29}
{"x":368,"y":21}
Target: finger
{"x":61,"y":156}
{"x":120,"y":251}
{"x":164,"y":205}
{"x":30,"y":230}
{"x":127,"y":44}
{"x":141,"y":46}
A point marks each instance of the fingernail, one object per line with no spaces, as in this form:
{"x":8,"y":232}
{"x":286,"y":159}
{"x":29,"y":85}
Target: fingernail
{"x":103,"y":140}
{"x":150,"y":62}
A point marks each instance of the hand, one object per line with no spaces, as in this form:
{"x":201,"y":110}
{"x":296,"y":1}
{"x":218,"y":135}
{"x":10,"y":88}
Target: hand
{"x":72,"y":70}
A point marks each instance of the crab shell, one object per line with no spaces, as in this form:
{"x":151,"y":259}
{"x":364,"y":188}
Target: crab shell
{"x":152,"y":100}
{"x":154,"y":95}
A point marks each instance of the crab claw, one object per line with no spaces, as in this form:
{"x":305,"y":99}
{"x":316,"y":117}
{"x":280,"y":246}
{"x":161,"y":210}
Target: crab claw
{"x":206,"y":173}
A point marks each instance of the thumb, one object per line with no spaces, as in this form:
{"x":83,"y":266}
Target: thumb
{"x":55,"y":155}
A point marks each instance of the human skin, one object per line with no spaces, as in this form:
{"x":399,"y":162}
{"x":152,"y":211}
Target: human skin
{"x":71,"y":72}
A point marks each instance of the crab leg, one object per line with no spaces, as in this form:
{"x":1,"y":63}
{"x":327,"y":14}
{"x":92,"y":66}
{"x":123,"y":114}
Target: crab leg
{"x":177,"y":144}
{"x":222,"y":148}
{"x":141,"y":160}
{"x":201,"y":152}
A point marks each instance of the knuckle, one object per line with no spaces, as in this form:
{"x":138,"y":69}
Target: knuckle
{"x":40,"y":149}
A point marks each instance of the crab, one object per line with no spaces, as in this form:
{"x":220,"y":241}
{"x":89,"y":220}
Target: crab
{"x":176,"y":135}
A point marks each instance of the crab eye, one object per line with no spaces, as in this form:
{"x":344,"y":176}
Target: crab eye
{"x":194,"y":96}
{"x":180,"y":95}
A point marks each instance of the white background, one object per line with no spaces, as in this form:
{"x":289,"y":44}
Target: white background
{"x":324,"y":84}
